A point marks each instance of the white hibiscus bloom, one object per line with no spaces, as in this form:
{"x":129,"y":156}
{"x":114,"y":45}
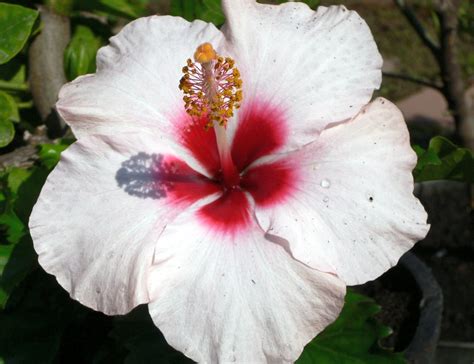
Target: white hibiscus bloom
{"x":239,"y":228}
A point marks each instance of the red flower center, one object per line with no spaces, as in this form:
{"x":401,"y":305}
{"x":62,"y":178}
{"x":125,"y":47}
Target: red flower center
{"x":261,"y":131}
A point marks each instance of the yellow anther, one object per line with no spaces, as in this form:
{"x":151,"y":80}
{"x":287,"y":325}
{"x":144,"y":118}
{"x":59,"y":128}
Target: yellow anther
{"x":238,"y":95}
{"x":211,"y":86}
{"x":205,"y":53}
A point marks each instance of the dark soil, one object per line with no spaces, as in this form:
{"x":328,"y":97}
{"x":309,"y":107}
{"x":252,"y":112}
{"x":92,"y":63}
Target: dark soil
{"x":449,"y":252}
{"x":396,"y":292}
{"x":455,"y":274}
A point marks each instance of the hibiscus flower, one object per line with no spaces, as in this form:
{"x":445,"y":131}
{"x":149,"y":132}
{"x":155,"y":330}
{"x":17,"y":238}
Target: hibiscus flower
{"x":239,"y":227}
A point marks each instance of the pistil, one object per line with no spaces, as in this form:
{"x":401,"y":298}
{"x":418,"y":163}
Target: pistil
{"x":212,"y":88}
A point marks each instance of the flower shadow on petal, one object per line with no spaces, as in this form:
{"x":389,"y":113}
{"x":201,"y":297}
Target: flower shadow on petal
{"x":139,"y":176}
{"x":158,"y":176}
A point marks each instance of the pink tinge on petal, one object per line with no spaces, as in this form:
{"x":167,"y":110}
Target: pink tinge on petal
{"x":228,"y":214}
{"x":261,"y":130}
{"x":271,"y":183}
{"x":199,"y":141}
{"x":181,"y":183}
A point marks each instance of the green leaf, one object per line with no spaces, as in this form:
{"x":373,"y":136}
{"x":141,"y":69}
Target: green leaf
{"x":13,"y":227}
{"x":8,"y":108}
{"x":352,"y":338}
{"x":207,"y":10}
{"x":8,"y":114}
{"x":16,"y":23}
{"x":16,"y":176}
{"x":21,"y":260}
{"x":444,"y":160}
{"x":79,"y":56}
{"x":123,"y":8}
{"x":5,"y":252}
{"x":28,"y":193}
{"x":13,"y":76}
{"x":49,"y":154}
{"x":7,"y":132}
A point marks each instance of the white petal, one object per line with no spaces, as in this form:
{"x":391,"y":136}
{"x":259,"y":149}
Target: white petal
{"x":315,"y":67}
{"x":136,"y":84}
{"x":95,"y":224}
{"x":243,"y":299}
{"x":354,"y":213}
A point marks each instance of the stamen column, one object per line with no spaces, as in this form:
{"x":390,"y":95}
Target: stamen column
{"x":212,"y":88}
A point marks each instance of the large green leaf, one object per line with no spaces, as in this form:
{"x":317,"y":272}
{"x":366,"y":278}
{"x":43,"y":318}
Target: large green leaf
{"x":352,"y":338}
{"x":16,"y":23}
{"x":444,"y":160}
{"x":79,"y":56}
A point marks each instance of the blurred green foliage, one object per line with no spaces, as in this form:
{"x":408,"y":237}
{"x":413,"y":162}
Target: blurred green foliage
{"x":207,"y":10}
{"x":79,"y":56}
{"x":16,"y":25}
{"x":124,"y":8}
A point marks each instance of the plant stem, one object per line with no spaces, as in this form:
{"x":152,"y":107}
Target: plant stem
{"x":418,"y":27}
{"x":25,"y":105}
{"x":414,"y":79}
{"x":451,"y":72}
{"x":11,"y":86}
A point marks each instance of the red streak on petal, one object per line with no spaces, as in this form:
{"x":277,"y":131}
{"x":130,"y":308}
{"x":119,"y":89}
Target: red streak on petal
{"x":271,"y":183}
{"x":199,"y":141}
{"x":228,"y":214}
{"x":262,"y":130}
{"x":181,"y":183}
